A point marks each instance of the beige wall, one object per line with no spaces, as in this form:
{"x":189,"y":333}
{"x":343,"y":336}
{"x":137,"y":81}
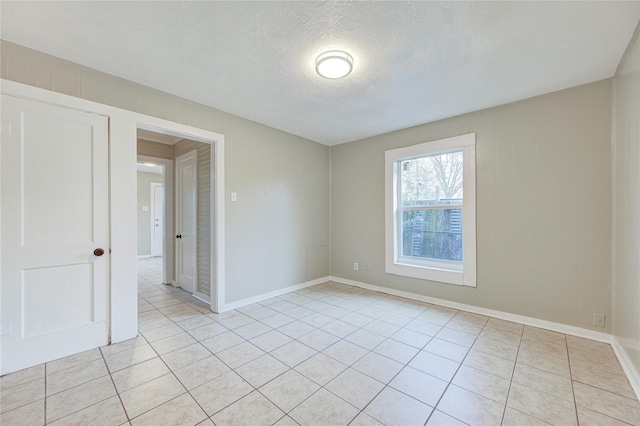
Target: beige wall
{"x":543,"y":206}
{"x":144,"y":217}
{"x":626,"y":181}
{"x":282,"y":180}
{"x":203,"y":210}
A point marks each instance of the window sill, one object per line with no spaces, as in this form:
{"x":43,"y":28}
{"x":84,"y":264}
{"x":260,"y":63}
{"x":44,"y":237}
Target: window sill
{"x":446,"y":276}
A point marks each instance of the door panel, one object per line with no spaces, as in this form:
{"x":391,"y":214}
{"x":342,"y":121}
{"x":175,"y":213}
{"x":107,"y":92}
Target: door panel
{"x":54,"y":211}
{"x":46,"y":177}
{"x":186,"y":181}
{"x":46,"y":298}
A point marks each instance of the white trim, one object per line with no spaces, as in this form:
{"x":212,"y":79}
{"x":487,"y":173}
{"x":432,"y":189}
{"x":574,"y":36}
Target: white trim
{"x":632,"y":373}
{"x":441,"y":145}
{"x":627,"y":365}
{"x":272,"y":294}
{"x":217,"y":237}
{"x":426,"y":269}
{"x":144,"y":256}
{"x":201,"y":297}
{"x":217,"y":230}
{"x":469,"y":214}
{"x":614,"y":197}
{"x":534,"y":322}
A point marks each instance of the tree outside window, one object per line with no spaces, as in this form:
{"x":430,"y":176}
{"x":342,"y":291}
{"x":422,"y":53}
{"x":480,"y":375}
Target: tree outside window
{"x":431,"y":204}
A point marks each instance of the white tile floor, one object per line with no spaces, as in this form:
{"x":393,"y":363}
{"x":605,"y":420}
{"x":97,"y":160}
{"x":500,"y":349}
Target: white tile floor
{"x":326,"y":355}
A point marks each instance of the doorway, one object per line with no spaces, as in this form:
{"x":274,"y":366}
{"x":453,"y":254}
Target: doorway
{"x":155,"y":195}
{"x":157,"y":219}
{"x":195,"y":267}
{"x":150,"y":215}
{"x":150,"y":174}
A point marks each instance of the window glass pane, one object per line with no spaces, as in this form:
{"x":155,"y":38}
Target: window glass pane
{"x":432,"y":234}
{"x":434,"y":180}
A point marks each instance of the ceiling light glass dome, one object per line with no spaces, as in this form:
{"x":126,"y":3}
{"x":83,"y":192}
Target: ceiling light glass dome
{"x":334,"y":64}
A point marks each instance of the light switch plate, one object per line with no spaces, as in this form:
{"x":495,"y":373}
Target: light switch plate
{"x":5,"y":128}
{"x":5,"y":328}
{"x":598,"y":320}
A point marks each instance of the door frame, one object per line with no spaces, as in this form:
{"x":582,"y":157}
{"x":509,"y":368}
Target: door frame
{"x":217,"y":196}
{"x":179,"y":216}
{"x":123,"y":125}
{"x":152,"y":204}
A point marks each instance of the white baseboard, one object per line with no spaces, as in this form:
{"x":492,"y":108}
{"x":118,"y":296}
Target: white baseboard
{"x":201,"y":297}
{"x":629,"y":368}
{"x":244,"y":302}
{"x":534,"y":322}
{"x":144,"y":256}
{"x":625,"y":362}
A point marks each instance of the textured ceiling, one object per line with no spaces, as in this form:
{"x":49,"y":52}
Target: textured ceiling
{"x":415,"y":62}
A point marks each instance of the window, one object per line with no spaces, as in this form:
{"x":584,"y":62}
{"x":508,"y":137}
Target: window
{"x":430,"y":211}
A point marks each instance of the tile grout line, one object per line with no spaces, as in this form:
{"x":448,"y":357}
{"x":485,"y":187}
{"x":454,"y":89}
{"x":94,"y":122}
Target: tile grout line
{"x":321,"y":387}
{"x":76,"y":386}
{"x":513,"y":372}
{"x":372,"y":350}
{"x":320,"y":352}
{"x":45,"y":395}
{"x":548,"y":372}
{"x":115,"y":387}
{"x":387,"y":384}
{"x":187,"y":391}
{"x":449,"y":383}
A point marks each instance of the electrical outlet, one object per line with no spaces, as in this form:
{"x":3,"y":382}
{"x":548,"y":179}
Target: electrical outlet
{"x":598,"y":320}
{"x":355,"y":266}
{"x":364,"y":266}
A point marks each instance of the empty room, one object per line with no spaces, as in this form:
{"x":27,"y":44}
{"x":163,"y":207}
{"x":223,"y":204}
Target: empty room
{"x":319,"y":213}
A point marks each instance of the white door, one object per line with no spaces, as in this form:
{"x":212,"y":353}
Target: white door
{"x":186,"y":202}
{"x":157,"y":220}
{"x":54,"y":210}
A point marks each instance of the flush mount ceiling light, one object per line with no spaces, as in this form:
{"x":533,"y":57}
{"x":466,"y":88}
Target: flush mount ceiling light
{"x":334,"y":64}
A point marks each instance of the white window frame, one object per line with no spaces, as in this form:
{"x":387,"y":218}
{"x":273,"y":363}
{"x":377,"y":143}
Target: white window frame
{"x":458,"y":273}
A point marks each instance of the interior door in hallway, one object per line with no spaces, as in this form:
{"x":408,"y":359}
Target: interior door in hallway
{"x":186,"y":229}
{"x":54,"y":232}
{"x":157,"y":219}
